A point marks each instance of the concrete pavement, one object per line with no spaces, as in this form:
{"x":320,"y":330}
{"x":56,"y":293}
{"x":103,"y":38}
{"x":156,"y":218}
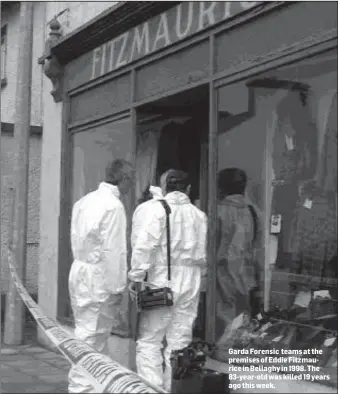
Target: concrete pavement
{"x":32,"y":369}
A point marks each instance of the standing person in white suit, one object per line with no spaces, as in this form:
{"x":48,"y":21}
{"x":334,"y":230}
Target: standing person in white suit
{"x":151,"y":194}
{"x":98,"y":274}
{"x":188,"y":227}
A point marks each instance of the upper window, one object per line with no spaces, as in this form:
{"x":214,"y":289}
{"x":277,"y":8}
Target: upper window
{"x":3,"y":54}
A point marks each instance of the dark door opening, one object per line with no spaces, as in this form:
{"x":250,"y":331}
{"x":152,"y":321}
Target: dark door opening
{"x":180,"y":124}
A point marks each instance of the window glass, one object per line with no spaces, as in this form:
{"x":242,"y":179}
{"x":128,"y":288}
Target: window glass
{"x":241,"y":200}
{"x":92,"y":150}
{"x":281,"y":129}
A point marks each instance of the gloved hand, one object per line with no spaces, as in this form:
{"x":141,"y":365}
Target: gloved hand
{"x":134,"y":288}
{"x":117,"y":298}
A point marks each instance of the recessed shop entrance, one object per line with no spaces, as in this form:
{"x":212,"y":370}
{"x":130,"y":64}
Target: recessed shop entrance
{"x":173,"y":133}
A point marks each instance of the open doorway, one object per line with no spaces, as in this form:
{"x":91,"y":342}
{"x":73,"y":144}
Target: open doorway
{"x":172,"y":133}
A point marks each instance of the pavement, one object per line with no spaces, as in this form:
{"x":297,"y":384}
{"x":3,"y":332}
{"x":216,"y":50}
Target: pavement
{"x":33,"y":369}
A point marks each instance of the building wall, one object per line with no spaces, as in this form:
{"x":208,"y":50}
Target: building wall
{"x":10,"y":16}
{"x":77,"y":13}
{"x":7,"y":193}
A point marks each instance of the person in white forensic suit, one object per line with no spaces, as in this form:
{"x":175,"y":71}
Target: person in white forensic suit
{"x":188,"y":267}
{"x":98,"y":275}
{"x":151,"y":194}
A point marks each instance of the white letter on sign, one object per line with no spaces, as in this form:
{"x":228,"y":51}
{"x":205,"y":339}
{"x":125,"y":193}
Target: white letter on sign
{"x":179,"y":33}
{"x":140,"y":39}
{"x":112,"y":55}
{"x":248,"y":4}
{"x":209,"y":12}
{"x":227,"y":13}
{"x":120,"y":62}
{"x":162,"y":32}
{"x":96,"y":59}
{"x":103,"y":59}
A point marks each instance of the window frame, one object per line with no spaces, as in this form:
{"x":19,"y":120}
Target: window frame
{"x":64,"y":308}
{"x":218,"y":85}
{"x":3,"y":53}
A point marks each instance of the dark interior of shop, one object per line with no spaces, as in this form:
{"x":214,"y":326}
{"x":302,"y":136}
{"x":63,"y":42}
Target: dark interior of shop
{"x":185,"y":117}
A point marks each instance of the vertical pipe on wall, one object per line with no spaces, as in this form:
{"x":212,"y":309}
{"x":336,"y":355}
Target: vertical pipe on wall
{"x":133,"y":115}
{"x":210,"y":325}
{"x":267,"y":179}
{"x":64,"y":248}
{"x":1,"y":261}
{"x":132,"y":309}
{"x":14,"y":322}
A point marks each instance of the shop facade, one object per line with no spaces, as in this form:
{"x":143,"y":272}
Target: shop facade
{"x":204,"y":86}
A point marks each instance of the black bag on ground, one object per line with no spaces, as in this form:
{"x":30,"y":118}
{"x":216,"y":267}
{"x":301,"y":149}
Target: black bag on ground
{"x":202,"y":381}
{"x":154,"y":298}
{"x":189,"y":374}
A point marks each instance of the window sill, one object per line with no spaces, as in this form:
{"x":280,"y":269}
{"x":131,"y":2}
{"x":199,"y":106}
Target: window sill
{"x":3,"y":82}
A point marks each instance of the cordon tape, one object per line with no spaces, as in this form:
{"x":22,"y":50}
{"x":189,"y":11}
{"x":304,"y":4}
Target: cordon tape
{"x":106,"y":375}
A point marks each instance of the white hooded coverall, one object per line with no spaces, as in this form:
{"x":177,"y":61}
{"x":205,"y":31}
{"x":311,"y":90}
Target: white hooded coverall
{"x":141,"y":212}
{"x":98,"y":274}
{"x":188,"y":266}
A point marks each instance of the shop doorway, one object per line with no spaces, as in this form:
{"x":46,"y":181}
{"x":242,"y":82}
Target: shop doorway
{"x":173,"y":133}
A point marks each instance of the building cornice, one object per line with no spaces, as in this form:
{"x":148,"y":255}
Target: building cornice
{"x":107,"y":25}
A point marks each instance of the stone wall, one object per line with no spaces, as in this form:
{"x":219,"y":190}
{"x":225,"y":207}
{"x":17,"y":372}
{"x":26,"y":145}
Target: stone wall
{"x":7,"y":194}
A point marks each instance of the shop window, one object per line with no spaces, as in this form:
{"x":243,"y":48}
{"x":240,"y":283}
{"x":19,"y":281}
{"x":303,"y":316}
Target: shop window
{"x":3,"y":55}
{"x":241,"y":201}
{"x":280,"y":130}
{"x":93,"y":149}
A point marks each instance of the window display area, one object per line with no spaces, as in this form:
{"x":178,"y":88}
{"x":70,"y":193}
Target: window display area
{"x":94,"y":149}
{"x":280,"y":130}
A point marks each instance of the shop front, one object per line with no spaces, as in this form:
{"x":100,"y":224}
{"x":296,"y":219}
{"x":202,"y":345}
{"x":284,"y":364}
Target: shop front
{"x":204,"y":87}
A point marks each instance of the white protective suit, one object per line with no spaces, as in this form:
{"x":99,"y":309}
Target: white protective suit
{"x":98,"y":275}
{"x":188,"y":266}
{"x":142,"y":210}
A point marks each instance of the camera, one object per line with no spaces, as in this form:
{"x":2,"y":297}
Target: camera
{"x":153,"y":298}
{"x":192,"y":357}
{"x":184,"y":360}
{"x":189,"y":374}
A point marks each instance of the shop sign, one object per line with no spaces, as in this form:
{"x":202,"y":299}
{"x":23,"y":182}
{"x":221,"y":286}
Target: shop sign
{"x":161,"y":31}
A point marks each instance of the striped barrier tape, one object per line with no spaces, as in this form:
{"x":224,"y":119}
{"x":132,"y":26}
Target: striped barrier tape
{"x":106,"y":375}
